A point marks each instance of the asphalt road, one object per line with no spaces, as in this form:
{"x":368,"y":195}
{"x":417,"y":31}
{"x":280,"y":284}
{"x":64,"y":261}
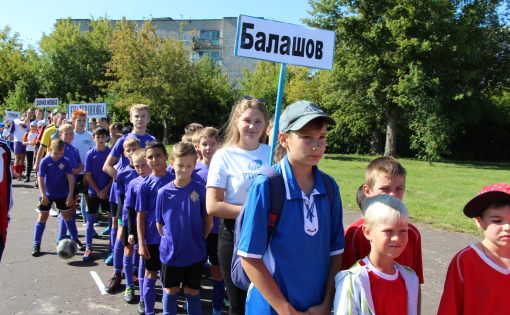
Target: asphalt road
{"x":50,"y":285}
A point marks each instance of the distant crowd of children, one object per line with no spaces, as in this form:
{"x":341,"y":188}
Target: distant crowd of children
{"x":216,"y":202}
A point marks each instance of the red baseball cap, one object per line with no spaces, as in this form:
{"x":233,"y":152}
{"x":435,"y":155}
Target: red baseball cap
{"x":489,"y":194}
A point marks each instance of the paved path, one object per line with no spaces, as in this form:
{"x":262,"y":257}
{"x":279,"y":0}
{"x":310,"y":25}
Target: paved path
{"x":49,"y":285}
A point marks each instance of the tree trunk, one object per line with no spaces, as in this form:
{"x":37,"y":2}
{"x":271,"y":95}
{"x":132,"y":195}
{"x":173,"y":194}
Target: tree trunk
{"x":165,"y":132}
{"x":390,"y":147}
{"x":376,"y":142}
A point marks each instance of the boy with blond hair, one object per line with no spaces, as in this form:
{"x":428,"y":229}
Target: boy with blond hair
{"x":384,"y":175}
{"x":139,"y":116}
{"x":478,"y":278}
{"x":377,"y":284}
{"x":54,"y":172}
{"x":183,"y":224}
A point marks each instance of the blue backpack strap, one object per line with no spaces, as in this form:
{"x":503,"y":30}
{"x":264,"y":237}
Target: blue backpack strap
{"x":327,"y":180}
{"x":276,"y":197}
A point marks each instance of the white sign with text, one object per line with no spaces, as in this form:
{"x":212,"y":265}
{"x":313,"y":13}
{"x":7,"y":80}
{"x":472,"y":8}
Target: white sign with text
{"x":46,"y":102}
{"x":94,"y":110}
{"x":285,"y":43}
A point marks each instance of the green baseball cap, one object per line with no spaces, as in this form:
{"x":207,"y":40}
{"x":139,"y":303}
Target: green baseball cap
{"x":299,"y":113}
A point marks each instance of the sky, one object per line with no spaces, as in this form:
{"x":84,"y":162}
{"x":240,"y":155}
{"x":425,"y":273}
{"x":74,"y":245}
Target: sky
{"x":32,"y":18}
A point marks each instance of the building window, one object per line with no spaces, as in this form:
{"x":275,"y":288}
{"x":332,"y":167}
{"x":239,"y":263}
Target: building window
{"x":210,"y":35}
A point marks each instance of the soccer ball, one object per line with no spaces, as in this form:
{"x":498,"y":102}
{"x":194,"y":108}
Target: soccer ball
{"x":66,"y":248}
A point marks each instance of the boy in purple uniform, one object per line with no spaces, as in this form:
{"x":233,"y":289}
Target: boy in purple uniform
{"x":99,"y":184}
{"x":183,"y":224}
{"x":207,"y":144}
{"x":139,"y":116}
{"x":148,"y":235}
{"x":130,"y":236}
{"x":130,"y":145}
{"x":54,"y":171}
{"x":66,"y":133}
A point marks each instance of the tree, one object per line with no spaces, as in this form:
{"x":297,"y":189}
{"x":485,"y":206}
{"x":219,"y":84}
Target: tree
{"x":410,"y":65}
{"x":73,"y":64}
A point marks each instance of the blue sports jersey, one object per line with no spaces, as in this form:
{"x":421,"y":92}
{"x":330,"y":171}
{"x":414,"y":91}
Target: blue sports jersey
{"x":123,"y":179}
{"x":308,"y":232}
{"x":94,"y":165}
{"x":202,"y":173}
{"x":182,"y":212}
{"x":146,"y":201}
{"x":55,"y":176}
{"x":130,"y":201}
{"x":114,"y":197}
{"x":118,"y":148}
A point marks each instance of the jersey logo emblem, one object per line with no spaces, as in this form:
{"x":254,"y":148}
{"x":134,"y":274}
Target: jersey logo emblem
{"x":61,"y":166}
{"x":194,"y":196}
{"x":255,"y":165}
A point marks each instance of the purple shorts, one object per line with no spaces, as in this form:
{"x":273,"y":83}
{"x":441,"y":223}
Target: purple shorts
{"x":19,"y":147}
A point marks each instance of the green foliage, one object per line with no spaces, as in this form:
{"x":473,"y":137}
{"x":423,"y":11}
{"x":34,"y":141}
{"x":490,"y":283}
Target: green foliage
{"x":430,"y":65}
{"x":72,"y":65}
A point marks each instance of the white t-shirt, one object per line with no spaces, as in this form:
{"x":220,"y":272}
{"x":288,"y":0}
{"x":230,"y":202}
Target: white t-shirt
{"x":31,"y":137}
{"x":19,"y":130}
{"x":6,"y":134}
{"x":234,"y":169}
{"x":83,"y":142}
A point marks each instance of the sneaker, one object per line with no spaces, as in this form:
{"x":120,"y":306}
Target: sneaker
{"x":27,"y":180}
{"x":216,"y":312}
{"x":81,"y":247}
{"x":86,"y":255}
{"x":36,"y":250}
{"x":53,"y":212}
{"x":113,"y":283}
{"x":141,"y":308}
{"x":109,"y":260}
{"x":95,"y":235}
{"x":105,"y":231}
{"x":129,"y":295}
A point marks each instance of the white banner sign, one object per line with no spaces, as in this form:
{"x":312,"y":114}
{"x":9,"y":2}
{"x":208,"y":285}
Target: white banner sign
{"x":94,"y":110}
{"x":285,"y":43}
{"x":46,"y":102}
{"x":10,"y":115}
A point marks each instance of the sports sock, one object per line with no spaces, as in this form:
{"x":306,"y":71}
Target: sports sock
{"x":113,"y":238}
{"x":136,"y":258}
{"x":71,"y":226}
{"x":149,"y":295}
{"x":118,"y":252}
{"x":218,"y":294}
{"x":169,"y":303}
{"x":90,"y":229}
{"x":141,"y":273}
{"x":38,"y":232}
{"x":62,"y":228}
{"x":128,"y":270}
{"x":193,"y":302}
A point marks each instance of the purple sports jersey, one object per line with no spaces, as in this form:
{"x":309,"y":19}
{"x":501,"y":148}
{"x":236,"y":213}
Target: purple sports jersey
{"x":73,"y":155}
{"x":202,"y":173}
{"x":123,"y":179}
{"x":182,"y":212}
{"x":130,"y":201}
{"x":94,"y":165}
{"x":118,"y":148}
{"x":54,"y":173}
{"x":146,"y":201}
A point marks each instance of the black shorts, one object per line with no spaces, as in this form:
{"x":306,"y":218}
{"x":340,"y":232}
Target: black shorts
{"x":61,"y":205}
{"x":125,"y":236}
{"x":113,"y":208}
{"x":153,"y":264}
{"x":189,"y":276}
{"x":93,"y":203}
{"x":212,"y":248}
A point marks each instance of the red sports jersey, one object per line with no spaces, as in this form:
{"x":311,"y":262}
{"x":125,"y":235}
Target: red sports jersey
{"x":358,"y":247}
{"x":475,"y":285}
{"x":389,"y":292}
